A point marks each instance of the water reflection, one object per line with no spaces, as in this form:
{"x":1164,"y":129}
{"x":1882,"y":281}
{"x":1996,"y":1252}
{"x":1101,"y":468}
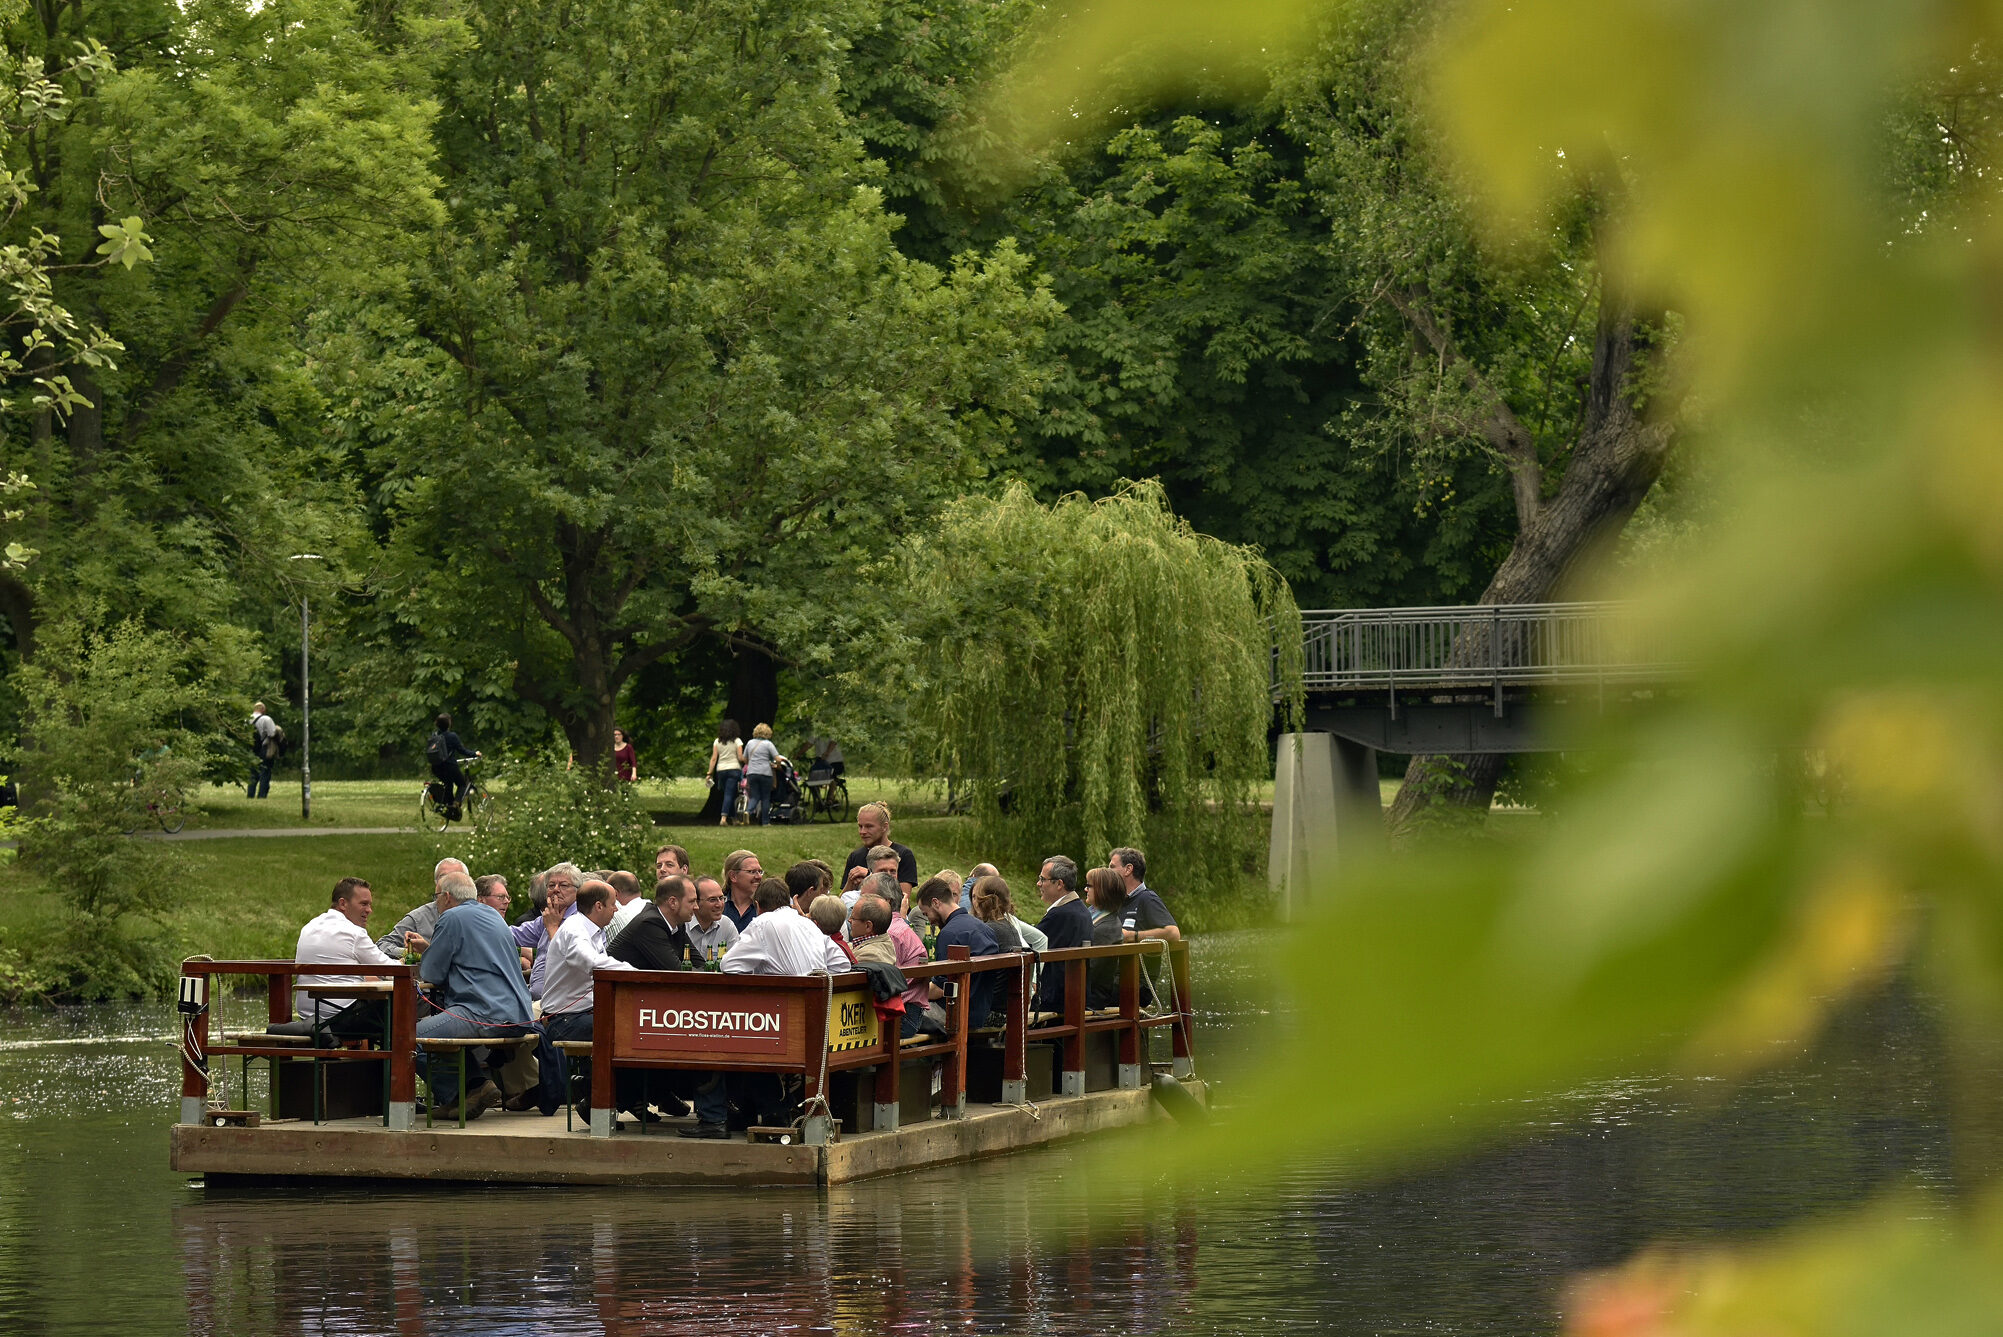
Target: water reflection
{"x":1012,"y":1253}
{"x":96,"y":1235}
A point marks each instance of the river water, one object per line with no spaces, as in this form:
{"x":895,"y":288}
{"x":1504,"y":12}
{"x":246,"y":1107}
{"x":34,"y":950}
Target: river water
{"x":97,"y":1235}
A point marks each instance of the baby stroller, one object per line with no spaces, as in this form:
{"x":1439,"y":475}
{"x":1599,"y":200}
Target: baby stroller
{"x":785,"y":792}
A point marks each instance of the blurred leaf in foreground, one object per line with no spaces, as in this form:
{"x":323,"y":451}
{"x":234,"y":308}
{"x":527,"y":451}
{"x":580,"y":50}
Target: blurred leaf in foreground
{"x":1810,"y":190}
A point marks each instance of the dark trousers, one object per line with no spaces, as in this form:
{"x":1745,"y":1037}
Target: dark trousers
{"x":453,"y":774}
{"x":260,"y":777}
{"x":758,"y":807}
{"x":629,"y":1088}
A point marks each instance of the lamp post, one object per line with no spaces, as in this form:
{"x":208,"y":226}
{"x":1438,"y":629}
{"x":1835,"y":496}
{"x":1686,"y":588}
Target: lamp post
{"x":305,"y":697}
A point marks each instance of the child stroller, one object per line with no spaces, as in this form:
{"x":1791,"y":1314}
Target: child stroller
{"x":785,"y":806}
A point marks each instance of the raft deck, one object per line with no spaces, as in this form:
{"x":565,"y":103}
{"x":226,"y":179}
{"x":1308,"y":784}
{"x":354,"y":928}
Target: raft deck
{"x":874,"y":1104}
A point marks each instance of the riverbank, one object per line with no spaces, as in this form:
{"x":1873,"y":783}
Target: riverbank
{"x":244,"y":897}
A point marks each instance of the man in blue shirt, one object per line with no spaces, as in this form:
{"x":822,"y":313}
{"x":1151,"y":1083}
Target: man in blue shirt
{"x":1143,"y":916}
{"x":475,"y":972}
{"x":939,"y":902}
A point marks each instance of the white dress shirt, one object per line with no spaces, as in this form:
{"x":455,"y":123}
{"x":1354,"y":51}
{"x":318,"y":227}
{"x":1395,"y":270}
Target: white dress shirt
{"x":625,"y":915}
{"x":784,"y":942}
{"x":332,"y":937}
{"x":577,"y":949}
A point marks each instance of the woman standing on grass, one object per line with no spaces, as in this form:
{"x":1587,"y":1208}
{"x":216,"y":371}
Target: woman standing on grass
{"x":760,"y":755}
{"x":726,"y":767}
{"x":625,"y":762}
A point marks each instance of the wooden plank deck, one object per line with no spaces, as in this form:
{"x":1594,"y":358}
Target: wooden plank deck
{"x":527,"y":1148}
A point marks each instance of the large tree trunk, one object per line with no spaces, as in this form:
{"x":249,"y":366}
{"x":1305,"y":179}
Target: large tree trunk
{"x":1611,"y":467}
{"x":754,"y":686}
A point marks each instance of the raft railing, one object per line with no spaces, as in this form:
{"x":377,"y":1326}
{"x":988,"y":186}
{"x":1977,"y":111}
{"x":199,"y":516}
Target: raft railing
{"x":811,"y":1042}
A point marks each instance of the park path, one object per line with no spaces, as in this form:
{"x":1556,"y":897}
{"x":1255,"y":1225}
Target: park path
{"x":277,"y":832}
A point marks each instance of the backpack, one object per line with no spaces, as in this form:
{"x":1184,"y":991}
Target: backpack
{"x":275,"y":746}
{"x":434,"y":747}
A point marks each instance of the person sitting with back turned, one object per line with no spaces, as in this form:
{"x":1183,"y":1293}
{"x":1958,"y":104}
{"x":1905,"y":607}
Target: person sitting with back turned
{"x":909,"y":951}
{"x":476,"y":974}
{"x":781,"y":940}
{"x":1065,"y":923}
{"x":828,"y":917}
{"x":803,"y":884}
{"x":627,"y":903}
{"x":1104,"y":895}
{"x":338,"y":935}
{"x":939,"y":902}
{"x":414,"y":929}
{"x":658,"y":938}
{"x":711,"y":931}
{"x":1142,"y":914}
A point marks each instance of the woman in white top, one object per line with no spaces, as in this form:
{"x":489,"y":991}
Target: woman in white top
{"x":759,"y":756}
{"x":726,"y":767}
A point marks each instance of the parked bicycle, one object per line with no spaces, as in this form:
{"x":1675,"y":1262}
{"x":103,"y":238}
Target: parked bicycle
{"x":434,"y":801}
{"x":827,"y":797}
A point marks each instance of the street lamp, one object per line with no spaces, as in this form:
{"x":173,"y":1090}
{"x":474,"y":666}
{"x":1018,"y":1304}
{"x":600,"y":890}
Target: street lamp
{"x":305,"y":698}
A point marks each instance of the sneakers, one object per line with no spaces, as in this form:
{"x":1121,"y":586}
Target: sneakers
{"x":714,"y":1131}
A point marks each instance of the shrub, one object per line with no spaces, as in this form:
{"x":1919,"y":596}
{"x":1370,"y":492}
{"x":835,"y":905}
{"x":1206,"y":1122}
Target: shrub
{"x":115,"y":717}
{"x":542,"y":814}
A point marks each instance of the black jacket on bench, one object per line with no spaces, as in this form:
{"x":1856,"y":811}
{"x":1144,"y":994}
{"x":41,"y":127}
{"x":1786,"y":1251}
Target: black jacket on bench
{"x":649,"y":944}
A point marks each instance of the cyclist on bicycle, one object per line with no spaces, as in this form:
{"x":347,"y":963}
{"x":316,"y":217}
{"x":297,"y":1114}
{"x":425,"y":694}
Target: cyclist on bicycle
{"x":444,"y":751}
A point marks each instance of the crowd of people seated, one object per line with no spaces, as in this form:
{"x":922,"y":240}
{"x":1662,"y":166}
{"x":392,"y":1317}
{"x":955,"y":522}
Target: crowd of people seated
{"x":483,"y":977}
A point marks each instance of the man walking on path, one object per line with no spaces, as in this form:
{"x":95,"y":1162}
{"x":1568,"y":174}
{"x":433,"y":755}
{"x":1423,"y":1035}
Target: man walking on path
{"x":264,"y":736}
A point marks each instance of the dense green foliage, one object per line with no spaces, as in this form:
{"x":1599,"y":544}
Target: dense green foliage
{"x":1098,"y":674}
{"x":117,"y":718}
{"x":543,"y":814}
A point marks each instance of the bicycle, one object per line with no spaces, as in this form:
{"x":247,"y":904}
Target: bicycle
{"x":165,"y":809}
{"x":434,"y":800}
{"x":827,"y":797}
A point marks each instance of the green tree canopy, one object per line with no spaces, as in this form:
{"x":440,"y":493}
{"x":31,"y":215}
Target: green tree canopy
{"x":663,"y":375}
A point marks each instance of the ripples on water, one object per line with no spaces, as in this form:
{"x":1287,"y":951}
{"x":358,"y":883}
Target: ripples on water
{"x":96,"y":1235}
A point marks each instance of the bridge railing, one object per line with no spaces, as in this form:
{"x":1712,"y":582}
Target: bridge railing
{"x":1475,"y":646}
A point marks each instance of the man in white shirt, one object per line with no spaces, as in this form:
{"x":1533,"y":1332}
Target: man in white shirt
{"x":577,"y":949}
{"x":627,"y":904}
{"x":340,"y":935}
{"x":782,"y":941}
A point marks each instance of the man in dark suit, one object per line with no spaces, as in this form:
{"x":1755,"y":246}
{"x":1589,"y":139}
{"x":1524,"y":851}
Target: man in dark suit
{"x":1067,"y":923}
{"x":658,"y":939}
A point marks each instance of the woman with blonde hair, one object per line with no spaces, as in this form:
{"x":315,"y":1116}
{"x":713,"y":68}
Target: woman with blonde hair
{"x":761,"y":757}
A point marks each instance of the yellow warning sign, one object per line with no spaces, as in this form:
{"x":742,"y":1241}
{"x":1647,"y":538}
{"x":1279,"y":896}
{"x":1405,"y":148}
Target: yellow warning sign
{"x":851,"y":1021}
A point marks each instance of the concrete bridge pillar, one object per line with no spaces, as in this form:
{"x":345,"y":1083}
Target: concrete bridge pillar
{"x":1326,"y":808}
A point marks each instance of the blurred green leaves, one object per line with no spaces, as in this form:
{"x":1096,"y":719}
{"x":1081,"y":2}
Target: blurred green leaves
{"x":1809,"y":190}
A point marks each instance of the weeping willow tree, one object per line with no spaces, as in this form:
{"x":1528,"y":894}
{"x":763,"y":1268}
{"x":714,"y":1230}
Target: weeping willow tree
{"x":1098,"y":674}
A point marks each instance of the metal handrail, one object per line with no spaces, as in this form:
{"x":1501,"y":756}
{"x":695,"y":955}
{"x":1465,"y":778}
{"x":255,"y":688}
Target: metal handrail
{"x":1476,"y":646}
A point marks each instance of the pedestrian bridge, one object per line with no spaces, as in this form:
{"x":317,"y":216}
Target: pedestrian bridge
{"x":1460,"y":680}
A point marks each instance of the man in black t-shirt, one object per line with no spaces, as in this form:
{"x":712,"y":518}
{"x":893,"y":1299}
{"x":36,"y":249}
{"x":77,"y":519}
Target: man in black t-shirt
{"x":872,"y":824}
{"x":1143,"y":916}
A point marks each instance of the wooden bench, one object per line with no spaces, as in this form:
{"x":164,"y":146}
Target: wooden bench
{"x":460,"y":1045}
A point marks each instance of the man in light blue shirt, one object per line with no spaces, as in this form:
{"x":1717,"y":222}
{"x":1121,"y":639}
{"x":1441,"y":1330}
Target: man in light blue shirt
{"x":475,"y":972}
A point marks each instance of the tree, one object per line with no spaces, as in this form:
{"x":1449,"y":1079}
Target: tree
{"x":1532,"y":360}
{"x":1098,"y":673}
{"x":264,"y":156}
{"x":663,"y":375}
{"x":1211,"y":341}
